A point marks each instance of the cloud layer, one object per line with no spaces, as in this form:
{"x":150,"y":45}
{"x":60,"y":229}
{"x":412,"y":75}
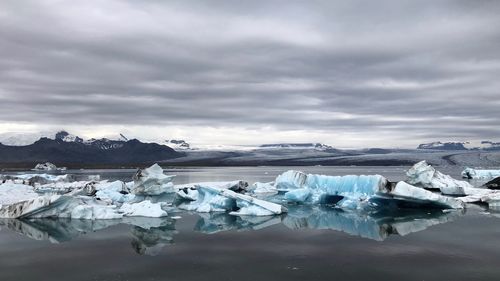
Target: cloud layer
{"x":356,"y":73}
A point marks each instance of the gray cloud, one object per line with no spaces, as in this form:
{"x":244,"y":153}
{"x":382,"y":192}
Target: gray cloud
{"x":393,"y":70}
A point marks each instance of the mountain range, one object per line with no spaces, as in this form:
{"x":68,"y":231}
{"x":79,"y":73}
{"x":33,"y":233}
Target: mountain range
{"x":65,"y":149}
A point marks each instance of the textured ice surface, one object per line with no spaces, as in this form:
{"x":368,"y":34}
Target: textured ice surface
{"x":424,"y":175}
{"x":114,"y":192}
{"x":212,"y":199}
{"x":152,"y":181}
{"x":354,"y":192}
{"x":12,"y":193}
{"x":471,"y":173}
{"x":323,"y":187}
{"x":144,"y":209}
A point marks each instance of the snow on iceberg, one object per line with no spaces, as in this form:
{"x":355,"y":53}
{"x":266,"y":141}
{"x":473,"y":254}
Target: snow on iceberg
{"x":144,"y":209}
{"x":470,"y":173}
{"x":46,"y":167}
{"x":424,"y":175}
{"x":60,"y":206}
{"x":114,"y":192}
{"x":152,"y":181}
{"x":12,"y":193}
{"x":213,"y":199}
{"x":189,"y":191}
{"x":354,"y":192}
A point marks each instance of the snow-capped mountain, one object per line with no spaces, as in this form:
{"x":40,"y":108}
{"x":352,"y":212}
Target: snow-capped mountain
{"x":468,"y":145}
{"x":315,"y":146}
{"x":65,"y":148}
{"x":178,"y":144}
{"x":443,"y":146}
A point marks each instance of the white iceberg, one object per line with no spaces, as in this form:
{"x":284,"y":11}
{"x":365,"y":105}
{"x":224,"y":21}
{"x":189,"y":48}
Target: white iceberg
{"x":471,"y":173}
{"x":264,"y":188}
{"x":114,"y":192}
{"x":189,"y":191}
{"x":45,"y":167}
{"x":144,"y":209}
{"x":424,"y":175}
{"x":152,"y":181}
{"x":61,"y":206}
{"x":212,"y":199}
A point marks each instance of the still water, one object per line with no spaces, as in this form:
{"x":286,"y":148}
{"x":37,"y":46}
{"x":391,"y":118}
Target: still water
{"x":307,"y":244}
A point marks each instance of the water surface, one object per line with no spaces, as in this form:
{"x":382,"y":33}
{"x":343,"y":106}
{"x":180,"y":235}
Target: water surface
{"x":319,"y":243}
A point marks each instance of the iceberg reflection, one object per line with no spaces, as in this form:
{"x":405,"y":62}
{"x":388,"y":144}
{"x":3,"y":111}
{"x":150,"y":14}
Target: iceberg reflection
{"x":150,"y":235}
{"x":376,"y":226}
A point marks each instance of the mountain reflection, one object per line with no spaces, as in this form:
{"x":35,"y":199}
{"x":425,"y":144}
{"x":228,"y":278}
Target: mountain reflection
{"x":151,"y":235}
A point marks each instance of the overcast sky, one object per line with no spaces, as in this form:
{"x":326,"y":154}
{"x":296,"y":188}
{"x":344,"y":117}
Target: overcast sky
{"x":346,"y":73}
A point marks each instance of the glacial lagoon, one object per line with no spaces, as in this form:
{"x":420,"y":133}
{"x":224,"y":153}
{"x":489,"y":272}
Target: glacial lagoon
{"x":307,"y":243}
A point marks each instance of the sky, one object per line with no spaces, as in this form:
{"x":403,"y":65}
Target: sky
{"x":345,"y":73}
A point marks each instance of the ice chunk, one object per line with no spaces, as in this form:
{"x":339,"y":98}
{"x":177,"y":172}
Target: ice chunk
{"x":188,"y":193}
{"x":409,"y":192}
{"x":424,"y":175}
{"x":355,"y":192}
{"x":60,"y":206}
{"x":471,"y":173}
{"x":212,"y":199}
{"x":267,"y":188}
{"x":115,"y":192}
{"x":45,"y":167}
{"x":152,"y":181}
{"x":298,"y":195}
{"x":323,"y":188}
{"x":144,"y":209}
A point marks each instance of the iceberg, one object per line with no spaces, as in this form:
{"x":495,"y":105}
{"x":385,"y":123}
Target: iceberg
{"x":114,"y":192}
{"x":144,"y":209}
{"x":424,"y":175}
{"x":356,"y":192}
{"x":189,"y":191}
{"x":213,"y":199}
{"x":60,"y":206}
{"x":45,"y":167}
{"x":264,"y":189}
{"x":152,"y":181}
{"x":470,"y":173}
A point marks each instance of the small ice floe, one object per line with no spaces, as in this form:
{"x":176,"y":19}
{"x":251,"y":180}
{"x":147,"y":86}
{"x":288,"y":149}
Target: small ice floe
{"x":470,"y":173}
{"x":152,"y":181}
{"x":144,"y":209}
{"x":47,"y":167}
{"x":426,"y":176}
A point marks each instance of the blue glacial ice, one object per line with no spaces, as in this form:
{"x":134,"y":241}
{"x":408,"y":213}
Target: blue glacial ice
{"x":214,"y":199}
{"x":355,"y":192}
